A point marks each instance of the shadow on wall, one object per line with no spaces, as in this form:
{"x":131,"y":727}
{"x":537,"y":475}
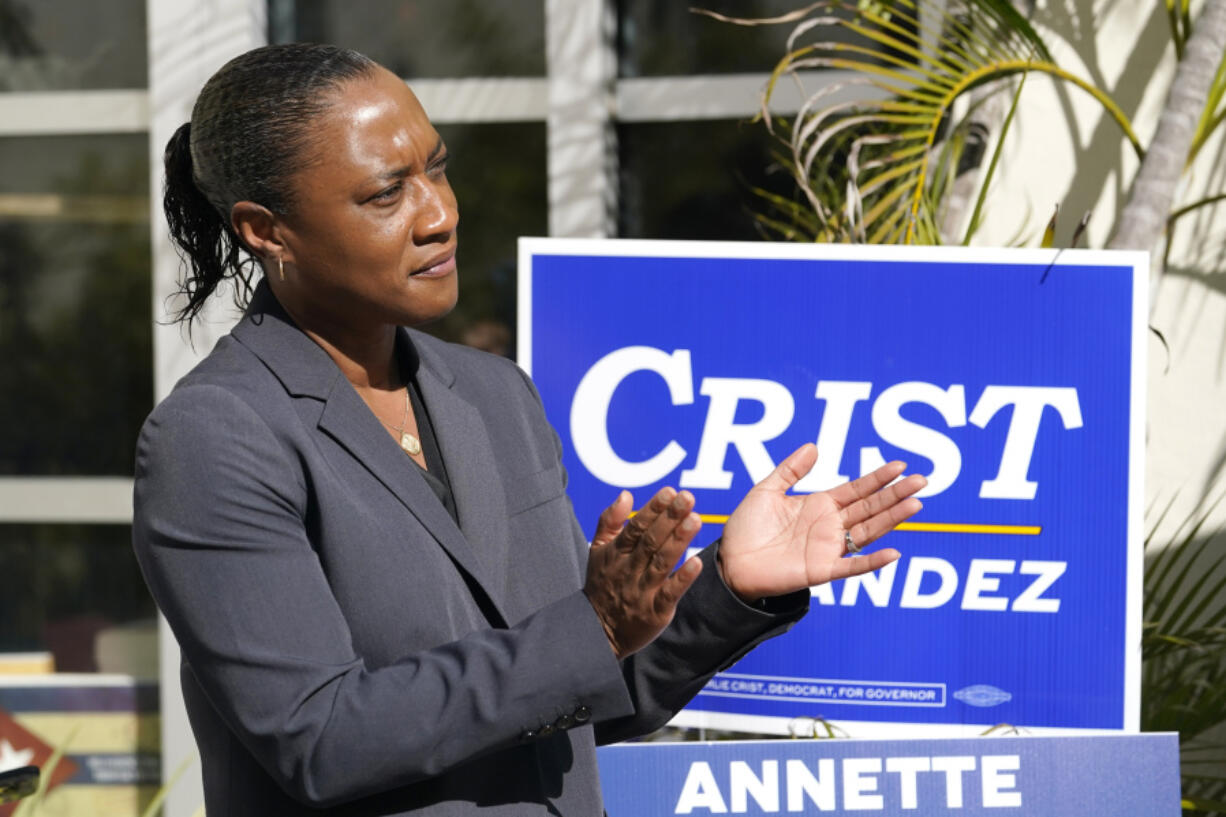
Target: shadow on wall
{"x":1099,"y":159}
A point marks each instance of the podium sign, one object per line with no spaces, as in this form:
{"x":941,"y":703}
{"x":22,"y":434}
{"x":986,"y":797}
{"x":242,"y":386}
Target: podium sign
{"x":1120,"y":775}
{"x":1013,"y":380}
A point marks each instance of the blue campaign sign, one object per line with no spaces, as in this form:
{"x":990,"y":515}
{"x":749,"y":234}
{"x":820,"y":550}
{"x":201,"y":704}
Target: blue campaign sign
{"x":1120,"y":775}
{"x":1012,"y":379}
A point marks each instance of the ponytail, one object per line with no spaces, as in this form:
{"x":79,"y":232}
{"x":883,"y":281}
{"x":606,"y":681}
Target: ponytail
{"x":249,"y":133}
{"x":210,"y":250}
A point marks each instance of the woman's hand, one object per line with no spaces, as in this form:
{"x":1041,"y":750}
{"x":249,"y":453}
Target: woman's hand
{"x":630,"y":578}
{"x":775,"y":543}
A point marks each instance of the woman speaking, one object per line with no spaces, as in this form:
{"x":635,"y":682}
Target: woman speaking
{"x":360,"y":534}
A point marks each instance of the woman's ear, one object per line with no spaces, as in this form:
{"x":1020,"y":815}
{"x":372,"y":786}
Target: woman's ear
{"x":257,"y":228}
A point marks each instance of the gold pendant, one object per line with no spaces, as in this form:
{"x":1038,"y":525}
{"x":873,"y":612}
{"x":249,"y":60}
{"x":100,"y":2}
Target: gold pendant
{"x":410,"y":444}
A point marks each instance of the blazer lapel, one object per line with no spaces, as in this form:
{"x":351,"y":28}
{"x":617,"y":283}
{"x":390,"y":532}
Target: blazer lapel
{"x":306,"y":370}
{"x":469,"y":459}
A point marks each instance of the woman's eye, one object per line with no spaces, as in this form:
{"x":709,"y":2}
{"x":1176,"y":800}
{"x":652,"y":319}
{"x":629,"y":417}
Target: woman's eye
{"x":388,"y":194}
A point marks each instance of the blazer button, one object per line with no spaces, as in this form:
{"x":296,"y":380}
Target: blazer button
{"x":582,"y":714}
{"x":565,"y":722}
{"x":529,"y":735}
{"x":546,"y":730}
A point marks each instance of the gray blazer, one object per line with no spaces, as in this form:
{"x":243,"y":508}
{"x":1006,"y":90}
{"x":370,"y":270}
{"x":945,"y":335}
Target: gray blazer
{"x":346,"y":646}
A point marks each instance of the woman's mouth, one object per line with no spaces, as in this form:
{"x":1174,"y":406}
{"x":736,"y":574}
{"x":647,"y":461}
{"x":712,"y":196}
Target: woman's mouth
{"x":437,"y":267}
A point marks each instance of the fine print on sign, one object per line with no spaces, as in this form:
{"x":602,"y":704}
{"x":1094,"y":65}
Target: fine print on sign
{"x":1120,"y":775}
{"x":1013,"y":380}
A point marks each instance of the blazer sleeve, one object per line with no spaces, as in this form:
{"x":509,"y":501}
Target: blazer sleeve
{"x":218,"y":531}
{"x":711,"y":630}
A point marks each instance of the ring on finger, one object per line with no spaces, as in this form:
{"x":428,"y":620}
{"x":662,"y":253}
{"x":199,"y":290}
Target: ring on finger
{"x":850,"y":544}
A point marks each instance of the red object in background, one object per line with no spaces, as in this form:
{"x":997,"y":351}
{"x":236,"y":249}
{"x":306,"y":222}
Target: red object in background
{"x":21,"y":747}
{"x":71,"y":640}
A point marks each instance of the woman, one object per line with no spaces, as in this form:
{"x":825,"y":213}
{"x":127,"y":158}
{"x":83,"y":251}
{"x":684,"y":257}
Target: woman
{"x":360,"y":535}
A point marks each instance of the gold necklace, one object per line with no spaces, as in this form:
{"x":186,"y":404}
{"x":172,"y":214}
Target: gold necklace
{"x":410,"y":444}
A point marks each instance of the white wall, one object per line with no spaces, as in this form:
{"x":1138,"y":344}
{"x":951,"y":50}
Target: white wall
{"x":1083,"y":163}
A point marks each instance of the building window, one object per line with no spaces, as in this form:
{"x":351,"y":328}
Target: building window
{"x":696,"y":179}
{"x":75,"y":329}
{"x":60,"y":45}
{"x":423,"y":38}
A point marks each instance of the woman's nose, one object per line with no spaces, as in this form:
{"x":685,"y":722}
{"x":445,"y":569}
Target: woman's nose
{"x":437,"y":215}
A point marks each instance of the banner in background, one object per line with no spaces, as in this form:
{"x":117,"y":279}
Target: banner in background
{"x":1013,"y":380}
{"x":1119,"y":775}
{"x":106,"y":726}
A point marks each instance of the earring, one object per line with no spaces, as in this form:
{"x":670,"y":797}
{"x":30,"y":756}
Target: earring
{"x":281,"y":267}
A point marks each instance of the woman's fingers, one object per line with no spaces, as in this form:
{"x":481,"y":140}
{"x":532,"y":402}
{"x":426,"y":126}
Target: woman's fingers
{"x":873,"y":528}
{"x":632,"y":534}
{"x":612,"y":519}
{"x":657,"y":535}
{"x":865,"y":563}
{"x":666,"y":538}
{"x":632,"y":586}
{"x":674,"y":586}
{"x":882,"y":500}
{"x":869,"y":484}
{"x":789,"y":472}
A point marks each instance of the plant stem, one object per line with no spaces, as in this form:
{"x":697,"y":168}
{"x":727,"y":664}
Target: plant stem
{"x":1149,"y":203}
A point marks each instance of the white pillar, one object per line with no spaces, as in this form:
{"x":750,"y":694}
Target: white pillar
{"x":188,"y":40}
{"x":582,"y":70}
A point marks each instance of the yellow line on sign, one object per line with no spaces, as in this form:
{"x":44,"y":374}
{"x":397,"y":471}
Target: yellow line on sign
{"x":955,"y":527}
{"x":930,"y":527}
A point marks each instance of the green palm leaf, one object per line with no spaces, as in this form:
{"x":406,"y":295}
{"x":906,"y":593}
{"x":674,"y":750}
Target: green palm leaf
{"x":1183,"y":648}
{"x":889,"y":156}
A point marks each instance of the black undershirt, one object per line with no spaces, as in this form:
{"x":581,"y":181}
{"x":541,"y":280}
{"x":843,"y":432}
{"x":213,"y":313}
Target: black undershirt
{"x":435,"y":472}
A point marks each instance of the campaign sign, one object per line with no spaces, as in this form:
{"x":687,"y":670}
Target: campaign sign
{"x":1120,"y":775}
{"x":1013,"y":380}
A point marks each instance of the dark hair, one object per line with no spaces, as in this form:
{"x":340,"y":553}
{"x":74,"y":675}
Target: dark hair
{"x":247,"y":137}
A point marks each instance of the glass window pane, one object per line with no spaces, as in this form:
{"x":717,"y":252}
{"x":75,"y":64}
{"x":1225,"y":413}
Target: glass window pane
{"x":55,"y":45}
{"x":696,"y":180}
{"x":498,"y":173}
{"x":74,"y":597}
{"x":423,"y":38}
{"x":662,"y":39}
{"x":75,"y":306}
{"x":669,"y":39}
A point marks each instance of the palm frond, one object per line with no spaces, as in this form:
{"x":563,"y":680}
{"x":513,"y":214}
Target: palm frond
{"x":888,"y":189}
{"x":1183,"y":647}
{"x":987,"y":179}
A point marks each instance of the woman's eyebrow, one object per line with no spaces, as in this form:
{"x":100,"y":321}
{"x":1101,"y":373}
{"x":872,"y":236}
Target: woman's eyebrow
{"x":401,"y":172}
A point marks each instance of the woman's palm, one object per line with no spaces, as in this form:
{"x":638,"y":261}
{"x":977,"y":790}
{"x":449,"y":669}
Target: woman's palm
{"x":775,"y":543}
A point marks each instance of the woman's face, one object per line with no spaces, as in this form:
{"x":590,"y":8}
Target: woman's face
{"x":371,"y":238}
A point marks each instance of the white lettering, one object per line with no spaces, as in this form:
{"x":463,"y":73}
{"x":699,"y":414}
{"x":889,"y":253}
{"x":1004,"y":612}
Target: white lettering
{"x":906,"y":768}
{"x":1028,"y":403}
{"x":700,"y":791}
{"x":890,"y":425}
{"x":859,"y":779}
{"x":841,"y":397}
{"x":1031,"y":601}
{"x":877,"y":586}
{"x":721,"y":430}
{"x":920,"y":565}
{"x":802,"y":784}
{"x":978,"y":583}
{"x":953,"y":767}
{"x":743,"y":783}
{"x":824,"y":593}
{"x":589,"y":414}
{"x":995,"y":781}
{"x":981,"y":585}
